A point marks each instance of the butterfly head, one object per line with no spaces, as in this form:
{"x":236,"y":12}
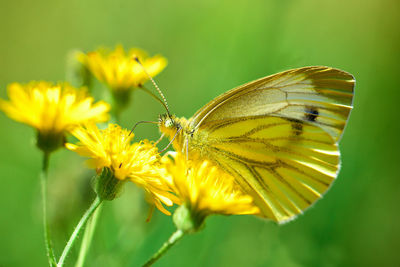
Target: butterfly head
{"x":168,"y":124}
{"x":175,"y":128}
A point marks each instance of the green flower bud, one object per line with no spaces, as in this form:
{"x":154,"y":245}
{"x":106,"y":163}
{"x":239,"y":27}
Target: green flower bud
{"x":107,"y":186}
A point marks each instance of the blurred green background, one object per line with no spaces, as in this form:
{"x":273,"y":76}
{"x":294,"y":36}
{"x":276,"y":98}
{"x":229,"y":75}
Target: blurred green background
{"x":211,"y":46}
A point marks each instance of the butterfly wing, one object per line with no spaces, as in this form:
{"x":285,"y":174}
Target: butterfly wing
{"x":278,"y":136}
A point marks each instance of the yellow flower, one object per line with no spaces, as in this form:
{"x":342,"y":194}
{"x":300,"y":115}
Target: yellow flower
{"x":137,"y":162}
{"x":119,"y":70}
{"x":205,"y":189}
{"x":52,"y":109}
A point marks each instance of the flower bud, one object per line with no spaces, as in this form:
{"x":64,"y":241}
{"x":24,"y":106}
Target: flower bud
{"x":107,"y":186}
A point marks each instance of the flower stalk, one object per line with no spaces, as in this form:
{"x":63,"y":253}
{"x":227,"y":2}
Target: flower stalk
{"x":174,"y":238}
{"x":43,"y":180}
{"x":95,"y":204}
{"x":87,"y":237}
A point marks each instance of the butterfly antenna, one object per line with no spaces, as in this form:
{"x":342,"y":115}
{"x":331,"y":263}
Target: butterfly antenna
{"x":154,"y":96}
{"x":140,"y":122}
{"x":155,"y":85}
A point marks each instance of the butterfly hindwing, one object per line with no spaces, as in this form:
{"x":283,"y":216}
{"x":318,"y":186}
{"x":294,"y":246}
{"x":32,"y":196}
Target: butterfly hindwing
{"x":286,"y":165}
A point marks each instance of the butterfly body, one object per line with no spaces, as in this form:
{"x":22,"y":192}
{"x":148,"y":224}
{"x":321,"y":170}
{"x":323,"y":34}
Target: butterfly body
{"x":277,"y":136}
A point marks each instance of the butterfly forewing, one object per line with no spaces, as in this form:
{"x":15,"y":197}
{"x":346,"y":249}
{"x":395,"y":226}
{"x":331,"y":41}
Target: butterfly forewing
{"x":321,"y":96}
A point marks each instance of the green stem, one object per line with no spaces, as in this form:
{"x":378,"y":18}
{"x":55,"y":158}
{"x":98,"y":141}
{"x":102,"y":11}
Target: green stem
{"x":78,"y":229}
{"x":87,"y":238}
{"x":174,"y":238}
{"x":43,"y":180}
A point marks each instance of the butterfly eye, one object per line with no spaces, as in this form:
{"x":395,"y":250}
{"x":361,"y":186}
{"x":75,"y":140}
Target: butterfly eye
{"x":168,"y":123}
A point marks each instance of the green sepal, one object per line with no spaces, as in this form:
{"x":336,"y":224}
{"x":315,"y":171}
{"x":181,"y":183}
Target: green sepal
{"x":107,"y":186}
{"x":49,"y":142}
{"x":187,"y":220}
{"x":122,"y":98}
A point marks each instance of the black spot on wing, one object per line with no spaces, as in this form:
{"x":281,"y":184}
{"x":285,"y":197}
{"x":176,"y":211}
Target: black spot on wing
{"x":311,"y":114}
{"x":297,"y":126}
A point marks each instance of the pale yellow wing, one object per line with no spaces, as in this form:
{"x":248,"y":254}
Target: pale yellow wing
{"x":278,"y":136}
{"x":319,"y":95}
{"x":286,"y":165}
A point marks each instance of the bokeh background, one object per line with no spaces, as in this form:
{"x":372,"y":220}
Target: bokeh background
{"x":211,"y":46}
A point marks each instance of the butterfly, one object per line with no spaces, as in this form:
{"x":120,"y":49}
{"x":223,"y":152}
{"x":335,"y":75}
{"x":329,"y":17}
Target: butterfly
{"x":277,"y":136}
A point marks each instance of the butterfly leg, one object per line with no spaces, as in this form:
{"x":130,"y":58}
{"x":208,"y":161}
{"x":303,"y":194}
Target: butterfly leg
{"x":172,"y":140}
{"x":159,"y":139}
{"x":187,"y":149}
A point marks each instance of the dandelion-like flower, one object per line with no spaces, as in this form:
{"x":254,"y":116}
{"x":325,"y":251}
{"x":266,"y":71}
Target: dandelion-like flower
{"x":52,"y":109}
{"x":113,"y":150}
{"x":119,"y":70}
{"x":205,"y":189}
